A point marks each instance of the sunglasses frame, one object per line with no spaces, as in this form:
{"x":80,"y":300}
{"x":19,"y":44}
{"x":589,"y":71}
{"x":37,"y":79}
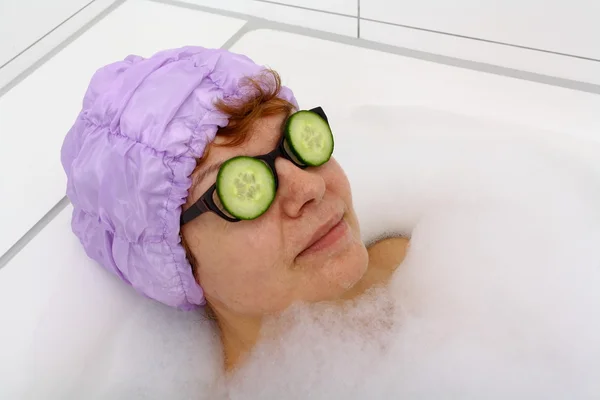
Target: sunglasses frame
{"x":206,"y":202}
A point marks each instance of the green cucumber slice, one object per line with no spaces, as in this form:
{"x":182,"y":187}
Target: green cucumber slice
{"x":309,"y":138}
{"x":246,"y":187}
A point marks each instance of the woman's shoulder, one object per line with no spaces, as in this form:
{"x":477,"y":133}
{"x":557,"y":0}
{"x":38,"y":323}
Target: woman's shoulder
{"x":384,"y":258}
{"x":388,"y":254}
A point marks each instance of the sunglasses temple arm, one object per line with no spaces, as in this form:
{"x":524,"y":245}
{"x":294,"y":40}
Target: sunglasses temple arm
{"x":319,"y":111}
{"x":194,"y":211}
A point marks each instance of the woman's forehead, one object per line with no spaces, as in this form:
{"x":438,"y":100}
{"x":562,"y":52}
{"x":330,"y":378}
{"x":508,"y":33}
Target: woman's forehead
{"x":268,"y":129}
{"x":264,"y":136}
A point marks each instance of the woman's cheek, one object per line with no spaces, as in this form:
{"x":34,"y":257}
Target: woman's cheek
{"x":250,"y":245}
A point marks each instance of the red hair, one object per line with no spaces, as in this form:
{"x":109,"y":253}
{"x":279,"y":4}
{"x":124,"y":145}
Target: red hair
{"x":261,"y":99}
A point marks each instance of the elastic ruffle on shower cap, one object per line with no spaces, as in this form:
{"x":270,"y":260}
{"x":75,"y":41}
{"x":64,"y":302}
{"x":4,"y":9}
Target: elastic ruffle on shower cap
{"x":129,"y":157}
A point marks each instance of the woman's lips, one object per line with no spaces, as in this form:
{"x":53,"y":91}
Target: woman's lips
{"x":330,"y":238}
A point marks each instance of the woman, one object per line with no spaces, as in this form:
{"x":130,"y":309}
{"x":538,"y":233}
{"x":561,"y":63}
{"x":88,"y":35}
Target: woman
{"x":143,"y":159}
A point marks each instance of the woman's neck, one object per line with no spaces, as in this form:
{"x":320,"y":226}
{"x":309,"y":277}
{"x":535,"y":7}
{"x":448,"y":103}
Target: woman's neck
{"x":240,"y":334}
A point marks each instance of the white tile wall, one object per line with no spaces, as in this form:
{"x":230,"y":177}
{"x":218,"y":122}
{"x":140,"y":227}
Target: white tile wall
{"x":36,"y":114}
{"x":25,"y":21}
{"x":485,"y":52}
{"x":562,"y":26}
{"x":38,"y":47}
{"x":347,"y":77}
{"x":548,"y":26}
{"x":348,"y":7}
{"x":289,"y":15}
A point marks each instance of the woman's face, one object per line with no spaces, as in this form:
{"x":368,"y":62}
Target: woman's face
{"x":290,"y":252}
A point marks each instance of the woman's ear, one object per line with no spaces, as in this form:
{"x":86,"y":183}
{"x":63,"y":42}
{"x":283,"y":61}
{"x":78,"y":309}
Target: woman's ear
{"x":188,"y":254}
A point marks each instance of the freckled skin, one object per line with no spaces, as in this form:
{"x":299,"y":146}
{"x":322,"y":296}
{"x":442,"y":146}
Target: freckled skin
{"x":252,"y":268}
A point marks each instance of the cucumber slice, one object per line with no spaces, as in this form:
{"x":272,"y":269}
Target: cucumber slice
{"x":309,"y":138}
{"x":246,"y":187}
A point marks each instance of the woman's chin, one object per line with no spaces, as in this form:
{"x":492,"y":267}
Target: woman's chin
{"x":343,"y":271}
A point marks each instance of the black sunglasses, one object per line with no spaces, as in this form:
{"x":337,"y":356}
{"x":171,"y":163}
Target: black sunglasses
{"x":314,"y":132}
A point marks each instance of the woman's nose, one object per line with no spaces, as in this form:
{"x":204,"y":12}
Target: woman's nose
{"x":298,"y":187}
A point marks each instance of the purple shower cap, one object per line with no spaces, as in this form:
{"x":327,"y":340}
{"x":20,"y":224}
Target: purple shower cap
{"x":129,"y":157}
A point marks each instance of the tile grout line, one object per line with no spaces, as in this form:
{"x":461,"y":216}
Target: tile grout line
{"x":237,"y":36}
{"x":56,"y":49}
{"x":33,"y":232}
{"x":183,"y":3}
{"x":256,"y":23}
{"x":358,"y":17}
{"x":317,"y":33}
{"x":46,"y":34}
{"x":437,"y":58}
{"x":235,"y":14}
{"x":14,"y":249}
{"x":306,"y":8}
{"x":482,"y":40}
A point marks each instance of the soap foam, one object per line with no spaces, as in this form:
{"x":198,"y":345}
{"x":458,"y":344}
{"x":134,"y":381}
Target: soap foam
{"x":498,"y":296}
{"x":159,"y":353}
